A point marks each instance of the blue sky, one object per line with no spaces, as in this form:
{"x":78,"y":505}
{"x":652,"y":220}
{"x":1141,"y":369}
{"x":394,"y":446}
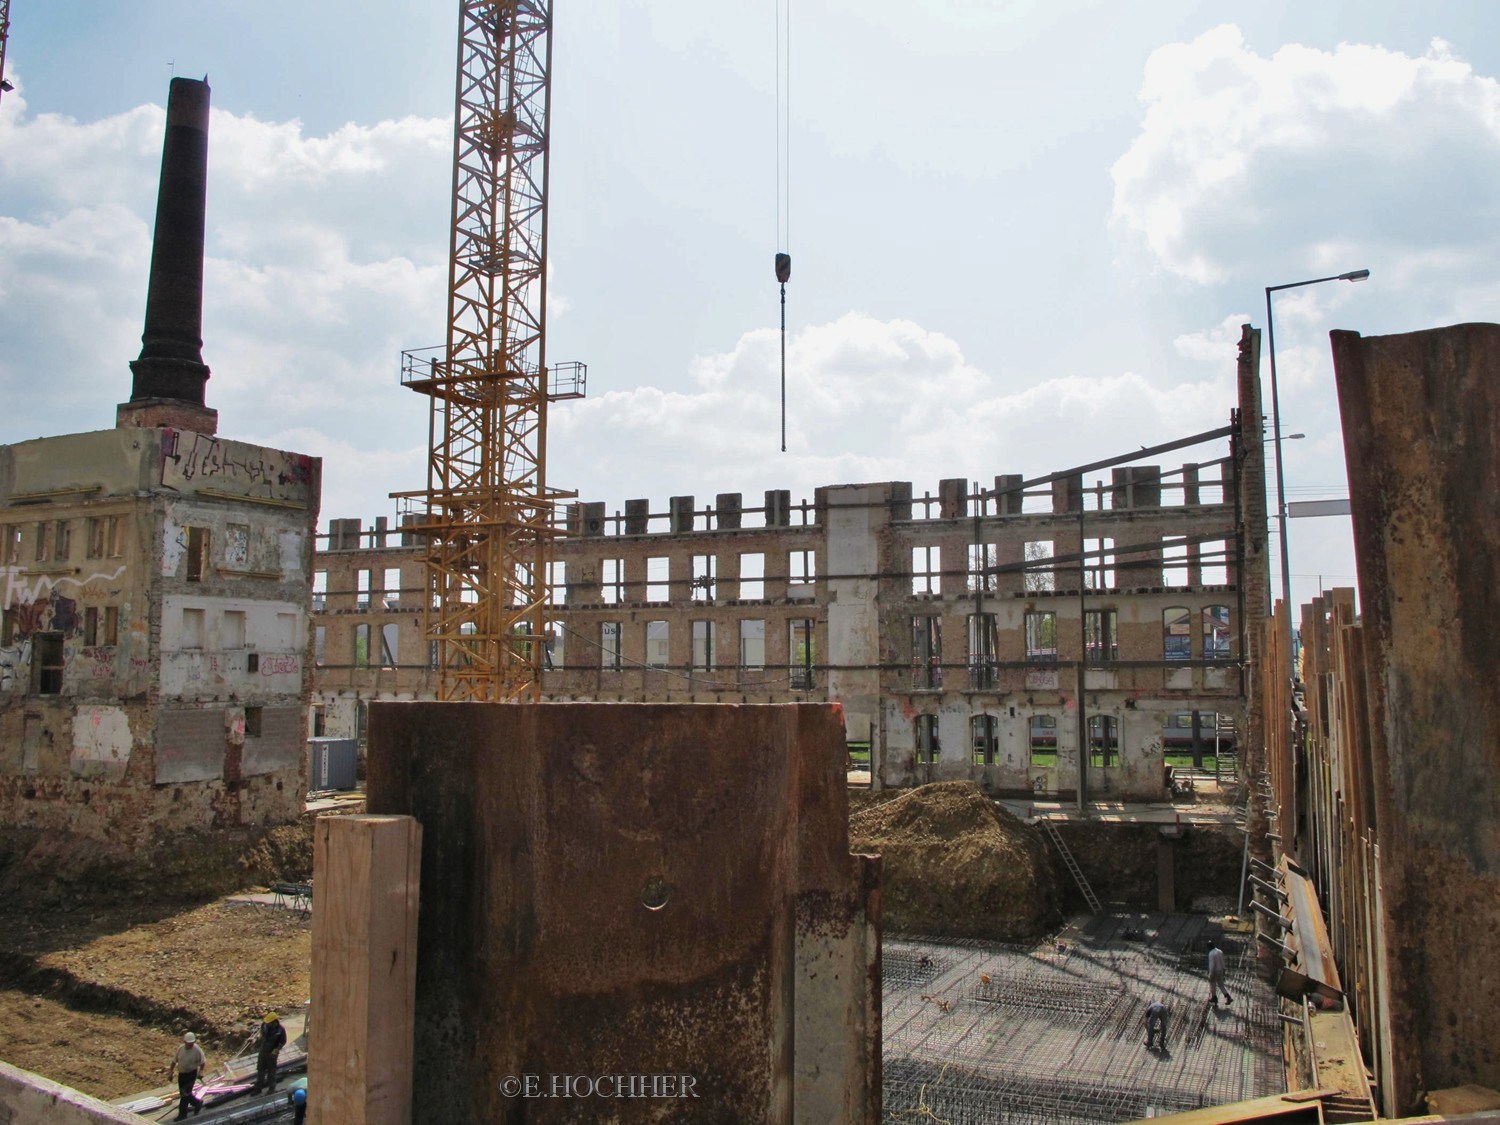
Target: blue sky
{"x":1024,"y":233}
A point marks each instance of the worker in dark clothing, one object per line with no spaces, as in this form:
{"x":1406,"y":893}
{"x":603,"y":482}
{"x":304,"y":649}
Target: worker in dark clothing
{"x":1156,"y":1025}
{"x":272,"y":1039}
{"x":298,"y":1098}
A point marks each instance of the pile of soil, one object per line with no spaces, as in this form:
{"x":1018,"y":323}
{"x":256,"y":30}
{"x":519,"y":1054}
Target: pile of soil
{"x":957,"y":865}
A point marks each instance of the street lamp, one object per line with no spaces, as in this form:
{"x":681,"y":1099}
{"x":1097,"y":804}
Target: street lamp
{"x":1286,"y":566}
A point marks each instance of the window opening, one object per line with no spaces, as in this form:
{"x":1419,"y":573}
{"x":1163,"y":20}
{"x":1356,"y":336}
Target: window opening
{"x":365,"y":582}
{"x":703,"y":646}
{"x":926,"y":570}
{"x":389,"y":644}
{"x":983,"y":559}
{"x":197,"y":547}
{"x":252,"y":722}
{"x":658,"y":578}
{"x":1101,"y":635}
{"x":390,"y":586}
{"x":613,"y":589}
{"x":1044,"y":740}
{"x":800,"y":648}
{"x":1214,"y":562}
{"x":232,"y":629}
{"x":90,"y":626}
{"x":1099,"y":564}
{"x":657,"y":635}
{"x":320,"y":589}
{"x":802,"y":568}
{"x":111,"y":625}
{"x":320,"y":638}
{"x":752,"y":577}
{"x":926,"y":652}
{"x":928,"y":749}
{"x":609,"y":645}
{"x":362,"y":645}
{"x":1216,"y":637}
{"x":1104,"y":740}
{"x":47,"y":659}
{"x":983,"y":644}
{"x":752,"y":645}
{"x":1174,"y":560}
{"x":1041,"y":635}
{"x":1041,"y":573}
{"x":192,"y":628}
{"x":986,"y":729}
{"x":62,"y":541}
{"x":1177,"y":637}
{"x":705,"y":577}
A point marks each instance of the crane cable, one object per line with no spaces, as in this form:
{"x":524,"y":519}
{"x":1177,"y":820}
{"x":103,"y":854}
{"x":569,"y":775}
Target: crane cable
{"x":783,"y":176}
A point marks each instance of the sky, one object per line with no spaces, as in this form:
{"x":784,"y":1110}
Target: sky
{"x":1024,"y":233}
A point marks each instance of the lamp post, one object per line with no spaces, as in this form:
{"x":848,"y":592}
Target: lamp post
{"x":1286,"y":566}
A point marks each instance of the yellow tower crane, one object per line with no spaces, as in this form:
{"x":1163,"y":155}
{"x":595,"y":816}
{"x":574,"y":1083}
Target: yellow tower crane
{"x":487,"y":513}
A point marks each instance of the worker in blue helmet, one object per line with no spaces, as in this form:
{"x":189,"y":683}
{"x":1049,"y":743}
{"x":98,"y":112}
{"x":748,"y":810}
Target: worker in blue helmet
{"x":298,"y":1098}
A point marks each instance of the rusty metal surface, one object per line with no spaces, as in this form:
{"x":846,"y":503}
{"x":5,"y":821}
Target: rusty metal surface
{"x":622,"y":889}
{"x":1421,"y":416}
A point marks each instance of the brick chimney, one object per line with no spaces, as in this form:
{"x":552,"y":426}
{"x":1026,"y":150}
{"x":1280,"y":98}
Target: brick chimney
{"x":167,"y":388}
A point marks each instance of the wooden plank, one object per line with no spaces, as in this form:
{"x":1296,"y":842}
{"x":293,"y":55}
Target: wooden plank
{"x":367,"y":873}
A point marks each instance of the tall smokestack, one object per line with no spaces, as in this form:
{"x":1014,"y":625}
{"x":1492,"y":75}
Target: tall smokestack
{"x":167,"y":389}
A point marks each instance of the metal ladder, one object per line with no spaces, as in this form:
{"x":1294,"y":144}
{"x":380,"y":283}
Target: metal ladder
{"x":1072,"y":864}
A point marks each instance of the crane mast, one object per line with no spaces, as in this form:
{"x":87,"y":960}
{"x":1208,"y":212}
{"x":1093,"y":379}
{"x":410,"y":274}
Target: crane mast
{"x":489,"y":515}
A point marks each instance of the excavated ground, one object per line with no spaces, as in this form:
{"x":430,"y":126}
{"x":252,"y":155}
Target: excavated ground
{"x":101,"y":973}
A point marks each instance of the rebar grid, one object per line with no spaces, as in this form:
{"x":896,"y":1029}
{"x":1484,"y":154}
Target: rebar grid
{"x":979,"y":1032}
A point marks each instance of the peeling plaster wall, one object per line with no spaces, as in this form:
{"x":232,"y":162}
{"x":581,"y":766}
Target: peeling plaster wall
{"x":132,"y":732}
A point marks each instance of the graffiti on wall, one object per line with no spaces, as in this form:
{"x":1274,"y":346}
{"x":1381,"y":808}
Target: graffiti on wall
{"x":38,"y":602}
{"x":14,"y":662}
{"x":191,"y":461}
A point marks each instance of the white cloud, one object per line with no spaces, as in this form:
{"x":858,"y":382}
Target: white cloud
{"x":1309,"y":158}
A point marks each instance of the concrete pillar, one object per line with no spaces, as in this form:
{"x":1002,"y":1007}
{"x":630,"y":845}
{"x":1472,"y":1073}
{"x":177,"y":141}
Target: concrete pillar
{"x":637,"y":516}
{"x":727,"y":507}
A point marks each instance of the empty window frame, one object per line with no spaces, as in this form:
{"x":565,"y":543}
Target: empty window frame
{"x":390,"y":587}
{"x":362,"y":645}
{"x":1216,"y":638}
{"x":1041,"y":572}
{"x":658,"y":635}
{"x":1213,"y":562}
{"x":610,"y":657}
{"x":62,"y":541}
{"x":752,"y":645}
{"x":232,"y":629}
{"x":1176,"y":633}
{"x":111,"y":635}
{"x":801,"y":568}
{"x":389,"y":644}
{"x":43,"y":543}
{"x":554,"y":655}
{"x":9,"y":627}
{"x":928,"y":750}
{"x":800,"y":652}
{"x":705,"y":578}
{"x":192,"y":628}
{"x":320,"y":641}
{"x":1041,"y":635}
{"x":703,"y":646}
{"x":926,"y":651}
{"x":658,"y":578}
{"x":983,"y":559}
{"x":753,"y":576}
{"x":986,"y":736}
{"x":363,"y":583}
{"x":1104,"y":740}
{"x":90,"y":626}
{"x":253,"y":717}
{"x":197,"y":553}
{"x":1099,"y":564}
{"x":983,"y":643}
{"x":47,"y":663}
{"x":1101,"y":638}
{"x":1174,"y":560}
{"x":320,"y":589}
{"x":10,"y":544}
{"x":612,"y":579}
{"x":104,"y":537}
{"x":926,"y":570}
{"x":1043,"y":740}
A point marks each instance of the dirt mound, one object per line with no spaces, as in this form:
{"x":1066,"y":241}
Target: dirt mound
{"x":958,"y":865}
{"x":57,"y":868}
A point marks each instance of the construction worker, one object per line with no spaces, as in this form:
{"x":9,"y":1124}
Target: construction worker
{"x":272,"y":1039}
{"x":298,"y":1098}
{"x":1156,"y":1025}
{"x":1216,"y":975}
{"x":188,"y":1063}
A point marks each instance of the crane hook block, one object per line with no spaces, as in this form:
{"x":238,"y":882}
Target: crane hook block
{"x":783,"y":268}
